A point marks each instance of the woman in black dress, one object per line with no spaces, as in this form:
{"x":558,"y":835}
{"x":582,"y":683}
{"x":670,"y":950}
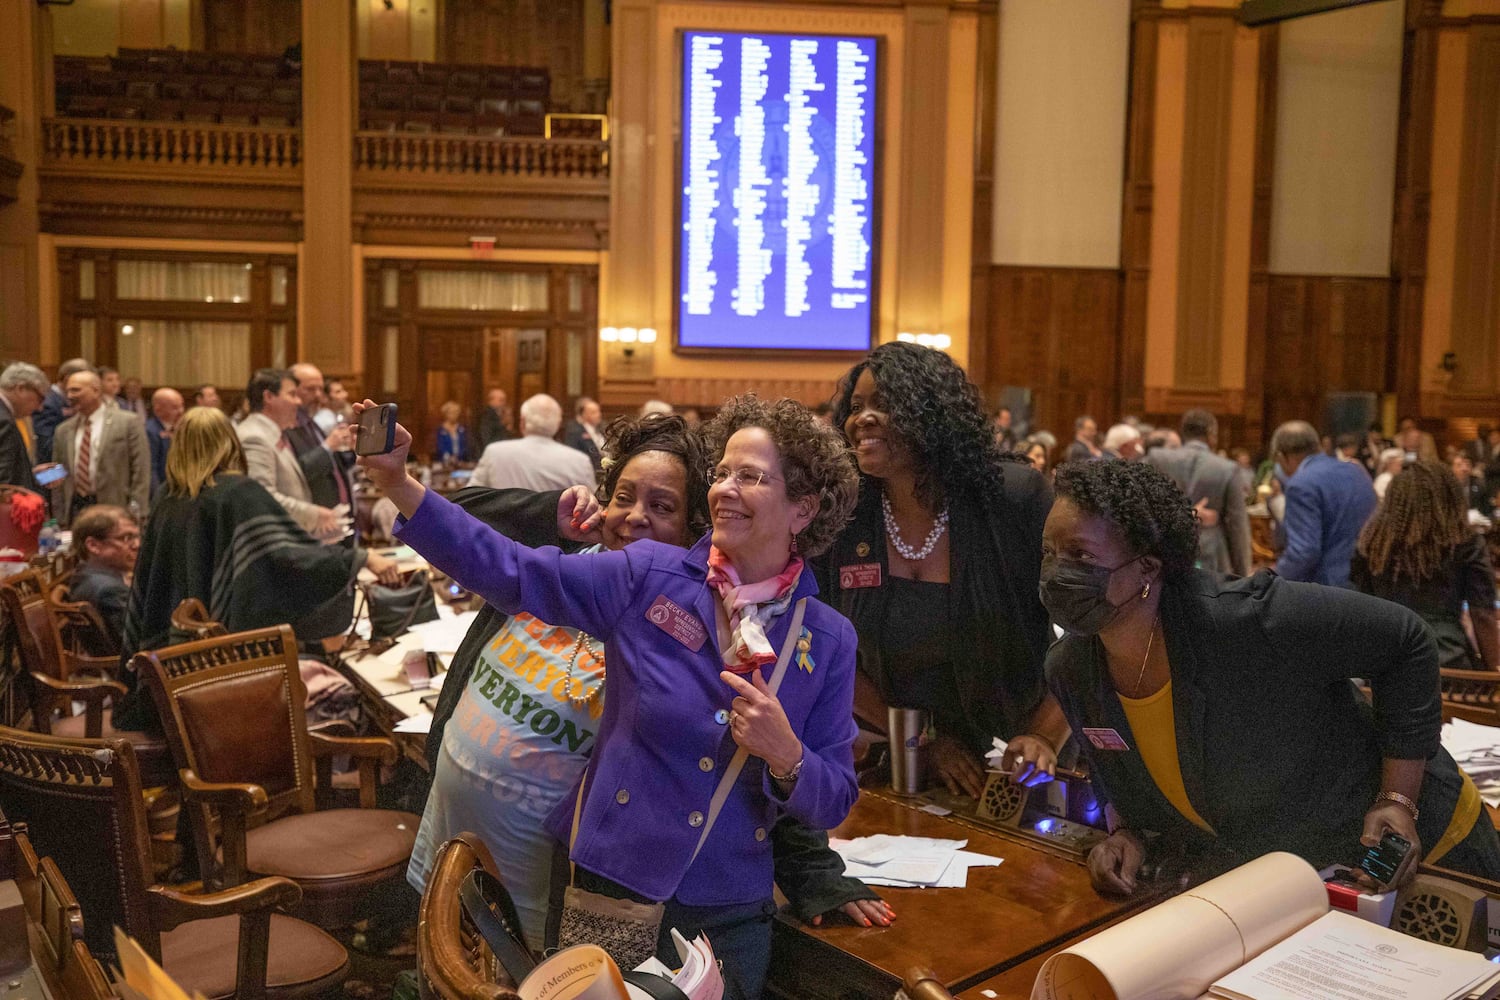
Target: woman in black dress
{"x":1419,"y":550}
{"x":938,"y":568}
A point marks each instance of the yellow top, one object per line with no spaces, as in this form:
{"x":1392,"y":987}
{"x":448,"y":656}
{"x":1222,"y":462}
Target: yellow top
{"x":1154,"y":725}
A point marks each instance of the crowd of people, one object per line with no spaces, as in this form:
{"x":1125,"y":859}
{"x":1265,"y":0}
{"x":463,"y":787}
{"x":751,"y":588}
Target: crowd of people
{"x":901,"y":547}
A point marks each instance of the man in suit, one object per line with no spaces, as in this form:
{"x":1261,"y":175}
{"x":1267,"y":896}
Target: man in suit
{"x":326,"y":458}
{"x":54,"y":409}
{"x":1215,"y":486}
{"x":494,"y":422}
{"x":106,"y":541}
{"x":534,"y":461}
{"x":104,"y":450}
{"x":22,"y":389}
{"x":270,"y":458}
{"x":166,"y":410}
{"x":206,"y":394}
{"x":1085,"y":446}
{"x":583,"y":432}
{"x":131,"y":398}
{"x":1327,"y":504}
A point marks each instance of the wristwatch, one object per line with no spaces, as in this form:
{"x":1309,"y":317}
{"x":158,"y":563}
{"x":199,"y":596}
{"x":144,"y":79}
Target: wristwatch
{"x":791,"y":775}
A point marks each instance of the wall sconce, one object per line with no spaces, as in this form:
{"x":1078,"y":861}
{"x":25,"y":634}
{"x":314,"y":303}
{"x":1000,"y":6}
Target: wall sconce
{"x":937,"y":341}
{"x":629,"y":338}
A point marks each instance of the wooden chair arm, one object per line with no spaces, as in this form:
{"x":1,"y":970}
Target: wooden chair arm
{"x":234,"y":803}
{"x":369,"y":751}
{"x":109,"y":666}
{"x":172,"y":907}
{"x":94,"y":692}
{"x":252,"y":902}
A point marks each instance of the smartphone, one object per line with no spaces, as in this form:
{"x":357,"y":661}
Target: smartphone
{"x":1388,"y":861}
{"x":377,"y":430}
{"x":418,"y":669}
{"x":50,"y":475}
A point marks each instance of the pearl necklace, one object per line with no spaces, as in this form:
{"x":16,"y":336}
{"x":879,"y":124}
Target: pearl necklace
{"x":893,"y":532}
{"x":583,"y":697}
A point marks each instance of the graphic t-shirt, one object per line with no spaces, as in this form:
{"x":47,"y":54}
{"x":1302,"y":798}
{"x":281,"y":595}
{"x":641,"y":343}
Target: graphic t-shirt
{"x":513,"y":748}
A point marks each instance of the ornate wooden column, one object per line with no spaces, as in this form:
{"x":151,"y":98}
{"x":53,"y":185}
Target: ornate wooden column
{"x":21,"y":92}
{"x":327,"y":336}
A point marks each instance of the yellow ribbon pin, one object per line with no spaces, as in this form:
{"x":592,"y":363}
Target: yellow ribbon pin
{"x":804,"y":651}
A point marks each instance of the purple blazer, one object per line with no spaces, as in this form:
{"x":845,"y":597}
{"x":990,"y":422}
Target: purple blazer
{"x":662,"y":744}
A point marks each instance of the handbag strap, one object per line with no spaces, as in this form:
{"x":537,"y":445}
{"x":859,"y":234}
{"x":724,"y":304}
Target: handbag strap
{"x":482,"y":895}
{"x":653,"y":985}
{"x":736,"y":763}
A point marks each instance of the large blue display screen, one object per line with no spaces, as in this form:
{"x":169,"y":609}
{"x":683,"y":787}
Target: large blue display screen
{"x":778,"y":191}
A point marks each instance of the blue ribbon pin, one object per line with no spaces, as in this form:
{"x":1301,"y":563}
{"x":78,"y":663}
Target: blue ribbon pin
{"x":804,"y":651}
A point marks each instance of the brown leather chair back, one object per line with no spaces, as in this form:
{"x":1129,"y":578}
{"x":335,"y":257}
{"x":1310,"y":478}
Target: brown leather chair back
{"x":81,"y":800}
{"x":1471,"y":695}
{"x":191,"y":618}
{"x":26,"y":610}
{"x":233,"y":708}
{"x":453,"y":961}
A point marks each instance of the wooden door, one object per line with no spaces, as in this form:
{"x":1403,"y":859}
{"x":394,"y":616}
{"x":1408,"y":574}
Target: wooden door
{"x":451,"y":370}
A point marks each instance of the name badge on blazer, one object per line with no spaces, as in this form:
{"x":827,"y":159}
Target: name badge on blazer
{"x":859,"y":576}
{"x":1105,"y":739}
{"x":679,"y":623}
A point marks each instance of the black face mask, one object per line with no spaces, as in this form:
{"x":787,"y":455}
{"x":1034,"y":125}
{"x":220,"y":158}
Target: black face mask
{"x":1076,"y":594}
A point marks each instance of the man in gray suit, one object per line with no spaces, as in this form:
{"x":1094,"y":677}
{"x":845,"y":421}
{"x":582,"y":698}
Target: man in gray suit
{"x":105,"y":451}
{"x":270,"y":458}
{"x":1212,"y":484}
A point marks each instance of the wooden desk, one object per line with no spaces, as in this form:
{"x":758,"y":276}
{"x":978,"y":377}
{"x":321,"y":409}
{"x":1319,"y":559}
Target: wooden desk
{"x":1032,"y":903}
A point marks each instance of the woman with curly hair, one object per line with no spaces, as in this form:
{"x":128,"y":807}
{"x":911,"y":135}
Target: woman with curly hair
{"x":695,"y":690}
{"x":1418,"y":550}
{"x":938,"y":569}
{"x":1219,"y":715}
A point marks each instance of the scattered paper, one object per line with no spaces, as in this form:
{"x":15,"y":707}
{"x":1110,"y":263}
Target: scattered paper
{"x":1477,"y":750}
{"x":935,"y":809}
{"x":445,"y":634}
{"x":699,"y":978}
{"x":419,"y":723}
{"x":993,"y":757}
{"x":912,"y":862}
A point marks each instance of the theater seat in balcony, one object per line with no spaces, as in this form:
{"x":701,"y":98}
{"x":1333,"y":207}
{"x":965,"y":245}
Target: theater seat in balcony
{"x":381,"y":121}
{"x":426,"y":99}
{"x":238,"y":113}
{"x":490,"y":125}
{"x":277,"y":115}
{"x":124,"y":110}
{"x":214,"y":90}
{"x":202,"y":112}
{"x":452,"y":124}
{"x":460,"y":104}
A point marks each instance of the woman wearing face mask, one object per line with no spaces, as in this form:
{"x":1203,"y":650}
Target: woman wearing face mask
{"x":691,"y":639}
{"x":1220,"y":714}
{"x":938,"y":568}
{"x":493,"y":773}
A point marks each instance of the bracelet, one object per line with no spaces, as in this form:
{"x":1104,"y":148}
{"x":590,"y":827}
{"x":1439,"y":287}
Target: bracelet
{"x":1400,"y":800}
{"x":791,"y":775}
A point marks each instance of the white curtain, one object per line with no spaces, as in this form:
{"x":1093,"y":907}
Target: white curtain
{"x":508,"y":291}
{"x":163,"y":352}
{"x":182,"y":281}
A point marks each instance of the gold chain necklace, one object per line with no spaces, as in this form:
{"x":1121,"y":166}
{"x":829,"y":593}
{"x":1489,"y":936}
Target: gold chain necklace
{"x":576,"y":692}
{"x":1135,"y":692}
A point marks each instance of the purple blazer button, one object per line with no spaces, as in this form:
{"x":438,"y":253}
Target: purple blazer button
{"x":695,"y":819}
{"x":622,"y":796}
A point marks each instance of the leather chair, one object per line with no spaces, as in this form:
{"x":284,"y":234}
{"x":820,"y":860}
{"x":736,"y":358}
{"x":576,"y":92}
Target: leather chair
{"x":51,"y":908}
{"x":923,"y":984}
{"x":82,"y":640}
{"x":56,"y":680}
{"x":453,"y":961}
{"x":223,"y":944}
{"x":233,"y":708}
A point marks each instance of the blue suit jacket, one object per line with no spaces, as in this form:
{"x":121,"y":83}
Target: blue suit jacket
{"x":1327,"y":503}
{"x":661,"y":751}
{"x":159,"y":448}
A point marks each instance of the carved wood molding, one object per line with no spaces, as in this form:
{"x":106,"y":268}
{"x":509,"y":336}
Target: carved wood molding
{"x":1221,"y":402}
{"x":167,"y":213}
{"x":1413,"y":211}
{"x":1135,"y":230}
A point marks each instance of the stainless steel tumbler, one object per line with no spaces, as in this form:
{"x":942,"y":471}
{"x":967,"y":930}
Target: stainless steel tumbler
{"x":907,"y":728}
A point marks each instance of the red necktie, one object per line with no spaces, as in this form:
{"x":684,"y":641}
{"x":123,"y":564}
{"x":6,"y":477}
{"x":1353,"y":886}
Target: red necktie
{"x":82,"y":478}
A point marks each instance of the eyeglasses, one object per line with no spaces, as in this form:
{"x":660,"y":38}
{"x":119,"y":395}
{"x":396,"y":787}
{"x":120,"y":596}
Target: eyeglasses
{"x":744,"y":477}
{"x":130,"y":538}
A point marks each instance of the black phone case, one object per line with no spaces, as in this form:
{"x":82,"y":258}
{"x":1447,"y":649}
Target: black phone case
{"x":390,"y":435}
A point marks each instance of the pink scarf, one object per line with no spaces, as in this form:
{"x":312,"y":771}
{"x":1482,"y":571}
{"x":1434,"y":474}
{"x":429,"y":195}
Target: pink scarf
{"x":750,"y":607}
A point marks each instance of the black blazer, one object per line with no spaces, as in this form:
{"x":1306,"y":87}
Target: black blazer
{"x":1001,"y":630}
{"x":574,"y":436}
{"x":1279,"y":751}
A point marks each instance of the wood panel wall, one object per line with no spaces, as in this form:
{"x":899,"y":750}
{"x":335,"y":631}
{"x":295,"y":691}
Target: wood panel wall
{"x":264,"y":27}
{"x":1056,"y":330}
{"x":546,"y":33}
{"x":1323,"y":335}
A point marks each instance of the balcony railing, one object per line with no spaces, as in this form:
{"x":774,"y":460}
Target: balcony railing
{"x":95,"y":143}
{"x":439,"y":153}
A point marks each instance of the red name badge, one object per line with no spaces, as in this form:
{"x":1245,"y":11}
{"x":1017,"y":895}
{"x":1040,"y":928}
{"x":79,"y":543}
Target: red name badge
{"x":859,"y":576}
{"x":682,"y":625}
{"x":1105,"y":739}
